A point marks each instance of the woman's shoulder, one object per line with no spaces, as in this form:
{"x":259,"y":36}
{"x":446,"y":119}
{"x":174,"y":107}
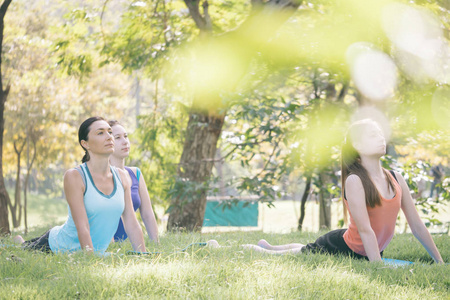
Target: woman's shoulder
{"x":354,"y":188}
{"x":73,"y":173}
{"x":121,"y":172}
{"x":124,"y":177}
{"x":397,"y":174}
{"x":136,"y":172}
{"x":353,"y":180}
{"x":133,"y":169}
{"x":399,"y":178}
{"x":74,"y":178}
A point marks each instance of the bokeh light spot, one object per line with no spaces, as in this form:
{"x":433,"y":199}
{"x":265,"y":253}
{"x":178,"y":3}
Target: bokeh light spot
{"x":417,"y":35}
{"x":373,"y":71}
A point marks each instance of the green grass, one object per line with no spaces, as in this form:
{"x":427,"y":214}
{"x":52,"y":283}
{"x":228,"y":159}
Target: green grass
{"x":226,"y":273}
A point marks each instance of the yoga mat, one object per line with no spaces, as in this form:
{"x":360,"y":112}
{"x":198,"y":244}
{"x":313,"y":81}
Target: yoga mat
{"x":396,"y":262}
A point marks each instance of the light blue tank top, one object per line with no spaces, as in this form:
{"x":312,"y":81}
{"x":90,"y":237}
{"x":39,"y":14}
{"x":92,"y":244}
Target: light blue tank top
{"x":103,"y":212}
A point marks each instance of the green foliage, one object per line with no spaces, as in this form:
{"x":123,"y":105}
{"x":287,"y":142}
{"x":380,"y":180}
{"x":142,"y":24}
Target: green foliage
{"x":417,"y":173}
{"x":146,"y":33}
{"x":446,"y":188}
{"x":45,"y":104}
{"x":263,"y":142}
{"x":160,"y":139}
{"x":150,"y":32}
{"x":285,"y":116}
{"x":74,"y":42}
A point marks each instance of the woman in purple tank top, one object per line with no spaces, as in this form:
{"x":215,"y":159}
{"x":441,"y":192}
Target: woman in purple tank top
{"x":139,"y":193}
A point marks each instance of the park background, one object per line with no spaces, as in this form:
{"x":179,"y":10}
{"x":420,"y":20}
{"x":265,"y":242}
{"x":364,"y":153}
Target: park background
{"x":240,"y":100}
{"x":227,"y":99}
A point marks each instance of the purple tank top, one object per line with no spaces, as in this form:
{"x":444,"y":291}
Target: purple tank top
{"x":120,"y":233}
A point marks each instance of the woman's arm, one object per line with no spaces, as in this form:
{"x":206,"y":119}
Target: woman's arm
{"x":356,"y":200}
{"x":415,"y":223}
{"x":146,"y":210}
{"x":74,"y":189}
{"x":130,"y":223}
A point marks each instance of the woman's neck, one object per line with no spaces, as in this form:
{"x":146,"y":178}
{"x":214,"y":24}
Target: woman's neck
{"x":373,"y":166}
{"x":99,"y":164}
{"x":117,"y":162}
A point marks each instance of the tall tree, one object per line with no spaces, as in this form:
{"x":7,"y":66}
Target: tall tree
{"x":31,"y":138}
{"x":207,"y":115}
{"x":303,"y":202}
{"x":16,"y":207}
{"x":4,"y":197}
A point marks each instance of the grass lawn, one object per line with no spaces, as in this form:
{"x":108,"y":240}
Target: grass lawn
{"x":226,"y":273}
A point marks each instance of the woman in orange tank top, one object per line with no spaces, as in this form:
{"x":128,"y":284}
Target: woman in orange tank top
{"x":373,"y":197}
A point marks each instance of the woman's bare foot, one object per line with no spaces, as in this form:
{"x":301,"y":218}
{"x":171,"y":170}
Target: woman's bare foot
{"x":264,"y":244}
{"x":18,"y":239}
{"x":212,"y":244}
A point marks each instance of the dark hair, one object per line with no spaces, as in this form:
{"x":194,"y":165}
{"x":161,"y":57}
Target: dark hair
{"x":113,"y":122}
{"x":351,"y":164}
{"x":83,"y":132}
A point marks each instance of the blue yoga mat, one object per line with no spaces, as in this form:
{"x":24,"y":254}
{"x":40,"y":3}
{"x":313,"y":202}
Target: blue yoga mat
{"x":396,"y":262}
{"x":154,"y":253}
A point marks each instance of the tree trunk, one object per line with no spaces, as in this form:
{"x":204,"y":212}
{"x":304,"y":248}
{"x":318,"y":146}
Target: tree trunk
{"x":4,"y":197}
{"x":29,"y":168}
{"x":16,"y":208}
{"x":205,"y":123}
{"x":324,"y":201}
{"x":194,"y":171}
{"x":303,"y":202}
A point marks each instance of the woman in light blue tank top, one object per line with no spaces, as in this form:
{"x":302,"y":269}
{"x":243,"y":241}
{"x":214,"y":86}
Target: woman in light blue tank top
{"x":98,"y":195}
{"x":139,"y":193}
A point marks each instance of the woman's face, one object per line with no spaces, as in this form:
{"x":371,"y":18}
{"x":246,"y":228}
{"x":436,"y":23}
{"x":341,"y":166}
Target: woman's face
{"x":121,"y":142}
{"x":371,"y":141}
{"x":99,"y":138}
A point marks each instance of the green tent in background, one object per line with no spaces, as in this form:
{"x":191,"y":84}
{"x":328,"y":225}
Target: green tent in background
{"x":243,"y":213}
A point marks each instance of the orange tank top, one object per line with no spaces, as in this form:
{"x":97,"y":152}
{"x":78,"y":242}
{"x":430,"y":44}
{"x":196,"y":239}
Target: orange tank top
{"x":382,"y":220}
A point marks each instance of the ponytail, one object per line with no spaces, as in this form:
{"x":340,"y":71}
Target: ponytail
{"x":83,"y":133}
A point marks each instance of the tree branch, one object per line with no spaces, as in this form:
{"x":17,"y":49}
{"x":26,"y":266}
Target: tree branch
{"x":4,"y":8}
{"x":270,"y":157}
{"x":16,"y":149}
{"x":203,"y":22}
